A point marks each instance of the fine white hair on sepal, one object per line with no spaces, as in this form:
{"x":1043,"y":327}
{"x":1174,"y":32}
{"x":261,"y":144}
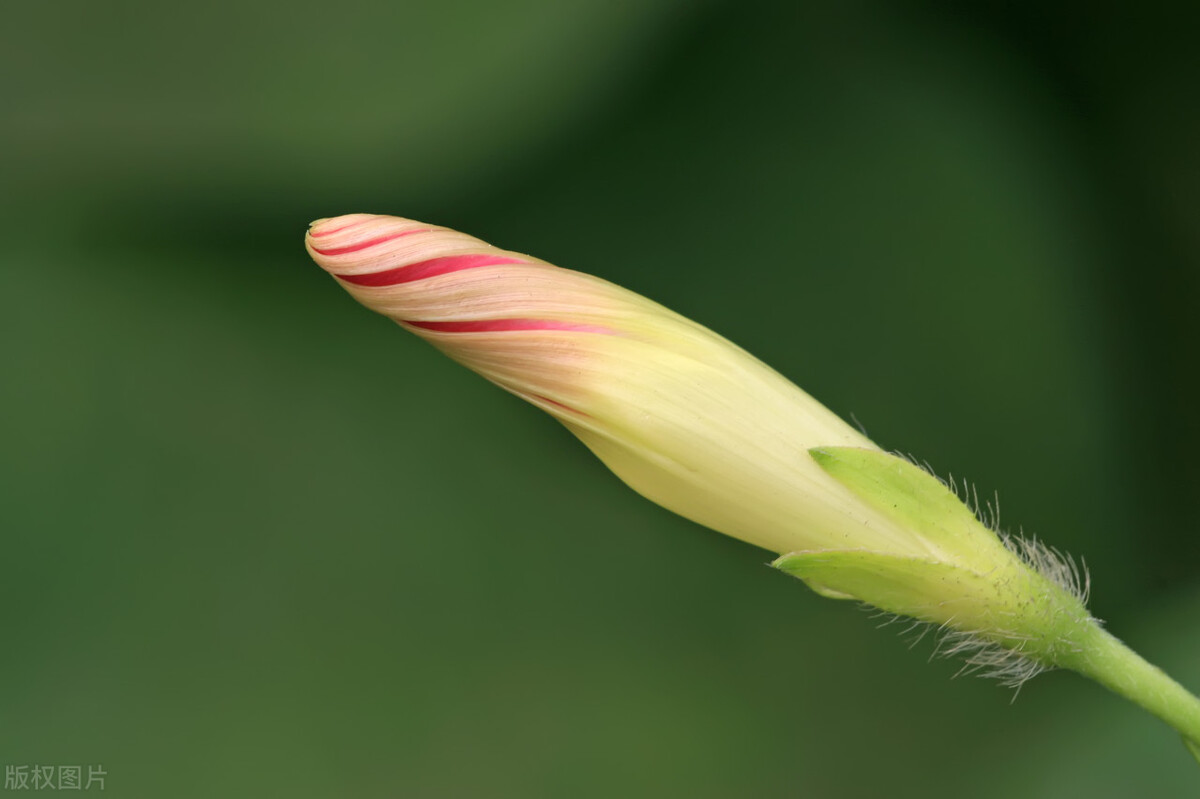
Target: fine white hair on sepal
{"x":1008,"y":664}
{"x":1055,"y":565}
{"x":981,"y":655}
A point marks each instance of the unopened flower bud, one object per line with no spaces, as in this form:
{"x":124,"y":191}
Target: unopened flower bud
{"x":699,"y":426}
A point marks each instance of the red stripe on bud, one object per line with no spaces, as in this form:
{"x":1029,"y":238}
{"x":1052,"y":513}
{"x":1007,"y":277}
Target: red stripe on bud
{"x":558,"y":404}
{"x":424,"y":269}
{"x":362,"y":245}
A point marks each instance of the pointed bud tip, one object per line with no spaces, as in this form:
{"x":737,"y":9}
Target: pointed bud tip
{"x":354,"y":243}
{"x":327,"y":226}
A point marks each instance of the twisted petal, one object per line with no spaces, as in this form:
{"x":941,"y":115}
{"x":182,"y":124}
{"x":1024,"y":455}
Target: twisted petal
{"x":683,"y":416}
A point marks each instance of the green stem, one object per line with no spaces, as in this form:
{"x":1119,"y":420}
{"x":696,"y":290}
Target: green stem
{"x":1118,"y":668}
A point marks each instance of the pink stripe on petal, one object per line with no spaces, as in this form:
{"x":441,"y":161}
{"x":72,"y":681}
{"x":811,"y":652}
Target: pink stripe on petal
{"x":503,"y":325}
{"x":362,"y":245}
{"x":558,"y":404}
{"x":424,"y":269}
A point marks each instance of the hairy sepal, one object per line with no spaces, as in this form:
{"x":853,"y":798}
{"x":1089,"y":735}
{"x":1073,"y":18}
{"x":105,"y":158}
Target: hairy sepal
{"x":970,"y":582}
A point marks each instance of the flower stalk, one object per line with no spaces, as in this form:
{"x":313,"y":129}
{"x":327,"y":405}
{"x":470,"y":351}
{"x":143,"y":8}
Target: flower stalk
{"x":699,"y":426}
{"x":1099,"y":655}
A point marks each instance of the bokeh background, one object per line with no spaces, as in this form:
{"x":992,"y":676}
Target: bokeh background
{"x":259,"y":542}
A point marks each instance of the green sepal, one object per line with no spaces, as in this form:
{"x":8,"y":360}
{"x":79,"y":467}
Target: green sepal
{"x":918,"y":587}
{"x":915,"y":500}
{"x":959,"y":573}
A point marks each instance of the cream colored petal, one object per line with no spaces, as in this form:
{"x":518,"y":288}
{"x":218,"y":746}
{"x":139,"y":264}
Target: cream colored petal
{"x":683,"y":416}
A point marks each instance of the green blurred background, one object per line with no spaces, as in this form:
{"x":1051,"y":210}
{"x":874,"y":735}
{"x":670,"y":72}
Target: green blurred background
{"x":259,"y":542}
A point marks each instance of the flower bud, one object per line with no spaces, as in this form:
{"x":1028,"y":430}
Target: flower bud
{"x":696,"y":424}
{"x":680,"y":414}
{"x":699,"y":426}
